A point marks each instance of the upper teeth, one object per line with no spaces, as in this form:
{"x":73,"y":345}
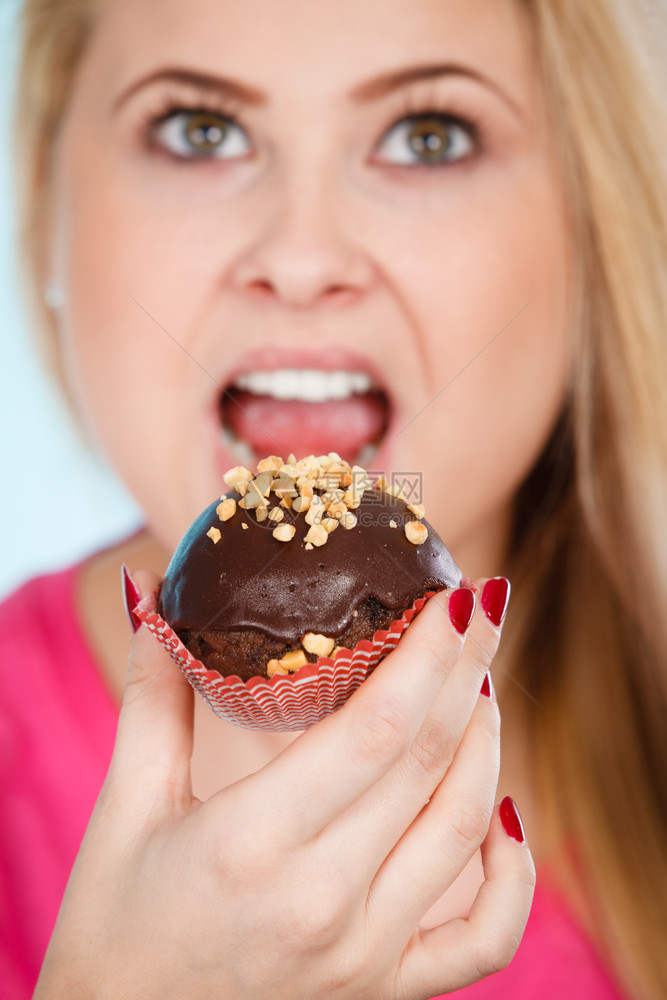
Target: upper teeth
{"x":309,"y":384}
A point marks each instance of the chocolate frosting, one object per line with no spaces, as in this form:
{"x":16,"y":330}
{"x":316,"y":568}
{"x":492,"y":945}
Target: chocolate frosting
{"x":249,"y":579}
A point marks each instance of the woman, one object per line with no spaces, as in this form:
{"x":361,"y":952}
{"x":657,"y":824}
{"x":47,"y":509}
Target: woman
{"x":460,"y":204}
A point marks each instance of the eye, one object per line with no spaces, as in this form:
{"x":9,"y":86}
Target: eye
{"x":201,"y":135}
{"x":426,"y":139}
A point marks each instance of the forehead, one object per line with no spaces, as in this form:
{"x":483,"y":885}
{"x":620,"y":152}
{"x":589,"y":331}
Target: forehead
{"x":322,"y":45}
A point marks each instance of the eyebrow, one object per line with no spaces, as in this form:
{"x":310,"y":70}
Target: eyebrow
{"x":365,"y":92}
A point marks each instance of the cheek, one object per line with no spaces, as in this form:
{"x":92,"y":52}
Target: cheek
{"x":496,"y":336}
{"x":134,"y":293}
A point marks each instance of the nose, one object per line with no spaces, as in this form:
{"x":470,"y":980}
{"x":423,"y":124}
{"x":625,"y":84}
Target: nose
{"x":303,"y":252}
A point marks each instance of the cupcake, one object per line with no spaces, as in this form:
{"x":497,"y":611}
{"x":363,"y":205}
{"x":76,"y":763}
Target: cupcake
{"x":303,"y":575}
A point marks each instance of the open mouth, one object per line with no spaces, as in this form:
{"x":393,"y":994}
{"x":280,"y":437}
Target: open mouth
{"x":304,"y":411}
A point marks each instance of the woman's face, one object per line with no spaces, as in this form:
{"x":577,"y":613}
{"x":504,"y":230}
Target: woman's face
{"x":312,"y":226}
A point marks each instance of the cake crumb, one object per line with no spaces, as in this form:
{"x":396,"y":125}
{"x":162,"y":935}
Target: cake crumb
{"x":215,"y":534}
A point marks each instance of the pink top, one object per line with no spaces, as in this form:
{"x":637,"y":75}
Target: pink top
{"x":57,"y":727}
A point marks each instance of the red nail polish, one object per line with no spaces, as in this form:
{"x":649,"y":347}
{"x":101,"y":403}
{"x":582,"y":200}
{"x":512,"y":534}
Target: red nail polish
{"x":487,"y":685}
{"x":131,"y":597}
{"x":495,"y":596}
{"x":509,"y":817}
{"x":461,"y":608}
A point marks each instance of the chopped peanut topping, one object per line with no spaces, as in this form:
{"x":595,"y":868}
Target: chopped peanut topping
{"x":416,"y":532}
{"x":261,"y":483}
{"x":238,"y":477}
{"x":331,"y":496}
{"x":315,"y":512}
{"x":226,"y":509}
{"x":308,"y":465}
{"x":284,"y":532}
{"x":395,"y":491}
{"x":271,"y":464}
{"x":292,"y":485}
{"x":337,"y":509}
{"x":252,"y":499}
{"x":215,"y":534}
{"x":305,"y":486}
{"x":285,"y":488}
{"x":275,"y":667}
{"x":317,"y":534}
{"x":418,"y":510}
{"x":319,"y":645}
{"x":294,"y":659}
{"x":351,"y":499}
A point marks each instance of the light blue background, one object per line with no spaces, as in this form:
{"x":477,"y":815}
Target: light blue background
{"x":57,"y":502}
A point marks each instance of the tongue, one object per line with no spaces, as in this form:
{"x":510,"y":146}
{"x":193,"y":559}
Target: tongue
{"x":272,"y":426}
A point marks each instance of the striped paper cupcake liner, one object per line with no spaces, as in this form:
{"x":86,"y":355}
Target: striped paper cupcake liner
{"x":282,"y":702}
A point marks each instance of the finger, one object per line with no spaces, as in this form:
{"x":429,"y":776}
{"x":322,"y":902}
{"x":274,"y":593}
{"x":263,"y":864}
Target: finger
{"x":449,"y":830}
{"x":337,"y":760}
{"x":462,"y":951}
{"x":379,"y":819}
{"x":155,"y":729}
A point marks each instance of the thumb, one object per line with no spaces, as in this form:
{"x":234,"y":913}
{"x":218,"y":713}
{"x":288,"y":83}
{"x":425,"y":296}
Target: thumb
{"x":155,"y":729}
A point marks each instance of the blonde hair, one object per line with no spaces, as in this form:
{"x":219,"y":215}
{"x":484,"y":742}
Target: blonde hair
{"x":54,"y":34}
{"x":589,"y":552}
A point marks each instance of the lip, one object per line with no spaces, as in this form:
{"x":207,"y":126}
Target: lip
{"x":327,"y":359}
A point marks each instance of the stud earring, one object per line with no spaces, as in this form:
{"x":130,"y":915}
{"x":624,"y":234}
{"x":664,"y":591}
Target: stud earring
{"x":54,"y":297}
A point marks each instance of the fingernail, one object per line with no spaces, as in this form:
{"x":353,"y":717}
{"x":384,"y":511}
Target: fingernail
{"x":495,"y":596}
{"x":131,"y":597}
{"x":509,"y":817}
{"x":461,"y":608}
{"x":487,"y":685}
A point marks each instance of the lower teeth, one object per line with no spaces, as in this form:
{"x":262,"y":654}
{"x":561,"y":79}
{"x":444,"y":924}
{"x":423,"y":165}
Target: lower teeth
{"x":241,"y":450}
{"x":245,"y":455}
{"x":367,"y":455}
